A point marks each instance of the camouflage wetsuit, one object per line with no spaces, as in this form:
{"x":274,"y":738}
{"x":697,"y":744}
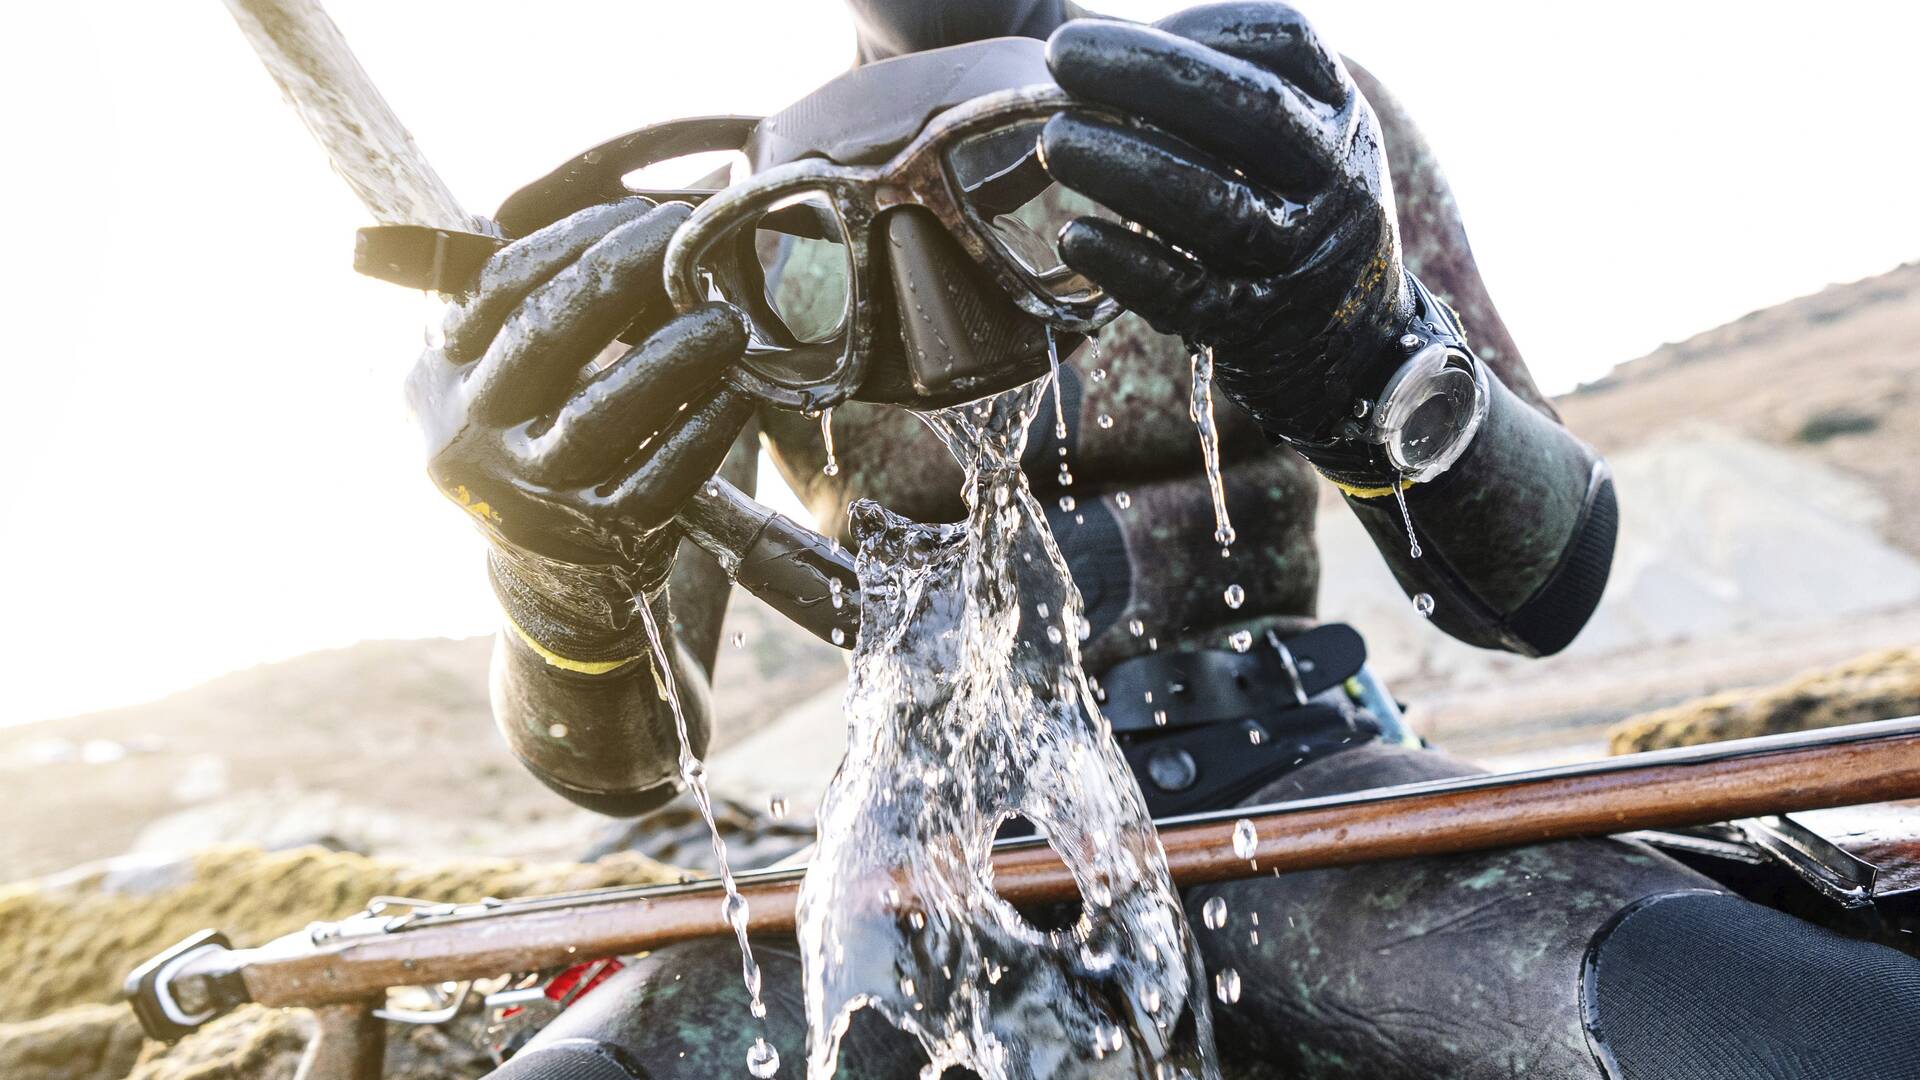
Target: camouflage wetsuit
{"x":1459,"y":967}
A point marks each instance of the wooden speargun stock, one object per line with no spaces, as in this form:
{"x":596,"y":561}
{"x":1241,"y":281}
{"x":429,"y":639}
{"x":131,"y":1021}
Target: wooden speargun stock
{"x":346,"y":967}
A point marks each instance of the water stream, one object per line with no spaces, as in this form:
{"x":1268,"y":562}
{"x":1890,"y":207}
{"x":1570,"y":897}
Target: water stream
{"x":762,"y":1059}
{"x":1201,"y":411}
{"x":967,"y":706}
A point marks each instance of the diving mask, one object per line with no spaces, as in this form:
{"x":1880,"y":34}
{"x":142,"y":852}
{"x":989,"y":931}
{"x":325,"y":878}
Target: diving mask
{"x":888,"y":256}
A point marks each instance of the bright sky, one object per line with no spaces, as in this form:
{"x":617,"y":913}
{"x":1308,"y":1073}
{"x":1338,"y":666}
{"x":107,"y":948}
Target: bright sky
{"x":210,"y":464}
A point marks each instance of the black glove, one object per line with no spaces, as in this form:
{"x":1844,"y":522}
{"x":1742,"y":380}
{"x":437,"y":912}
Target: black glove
{"x":576,"y":482}
{"x":1264,"y":184}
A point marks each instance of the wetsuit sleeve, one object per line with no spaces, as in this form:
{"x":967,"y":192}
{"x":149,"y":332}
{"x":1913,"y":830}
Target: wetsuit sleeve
{"x":598,"y":731}
{"x":1517,"y":537}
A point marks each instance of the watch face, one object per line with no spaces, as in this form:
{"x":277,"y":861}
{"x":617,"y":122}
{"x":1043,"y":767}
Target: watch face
{"x":1430,"y":411}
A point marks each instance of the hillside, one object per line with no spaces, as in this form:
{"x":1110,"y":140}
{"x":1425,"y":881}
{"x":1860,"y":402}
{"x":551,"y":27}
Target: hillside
{"x":1828,"y":376}
{"x":306,"y":750}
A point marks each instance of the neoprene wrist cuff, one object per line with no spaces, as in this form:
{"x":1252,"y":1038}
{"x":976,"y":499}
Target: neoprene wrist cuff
{"x":576,"y":617}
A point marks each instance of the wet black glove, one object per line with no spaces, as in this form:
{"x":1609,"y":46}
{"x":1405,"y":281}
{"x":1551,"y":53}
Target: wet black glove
{"x":575,"y":482}
{"x":1264,"y":184}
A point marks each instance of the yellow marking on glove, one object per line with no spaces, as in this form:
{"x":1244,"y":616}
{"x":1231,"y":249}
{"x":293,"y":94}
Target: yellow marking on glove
{"x":565,"y":663}
{"x":481,"y":510}
{"x":1366,"y":492}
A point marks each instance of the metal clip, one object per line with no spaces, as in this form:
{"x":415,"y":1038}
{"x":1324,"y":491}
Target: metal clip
{"x":446,"y":998}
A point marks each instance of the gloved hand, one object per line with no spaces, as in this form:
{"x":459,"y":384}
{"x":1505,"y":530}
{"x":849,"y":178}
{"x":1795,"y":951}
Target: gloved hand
{"x":576,"y":482}
{"x":1263,"y":182}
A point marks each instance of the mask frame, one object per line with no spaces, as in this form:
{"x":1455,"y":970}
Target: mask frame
{"x":705,"y":254}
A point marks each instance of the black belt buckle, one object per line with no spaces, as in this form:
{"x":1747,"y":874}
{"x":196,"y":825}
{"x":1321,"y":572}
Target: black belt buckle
{"x":1187,"y":689}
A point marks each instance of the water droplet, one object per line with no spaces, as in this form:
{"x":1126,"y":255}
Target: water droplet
{"x":906,"y":985}
{"x":1235,"y":596}
{"x":1423,"y":604}
{"x":557,"y":731}
{"x":1105,"y":421}
{"x":1255,"y":735}
{"x":1241,"y":640}
{"x":994,"y":971}
{"x":762,"y":1059}
{"x":1226,"y":986}
{"x":1245,"y":840}
{"x":1066,"y":478}
{"x":839,"y":636}
{"x":836,"y":592}
{"x":1082,"y":629}
{"x":1054,"y":635}
{"x":1214,"y":912}
{"x":832,"y":467}
{"x":1136,"y":627}
{"x":1067,"y":504}
{"x":917,"y":920}
{"x":777,"y":807}
{"x":1150,"y":1000}
{"x":1160,"y":717}
{"x":1122,"y":500}
{"x":739,"y":639}
{"x":1044,"y":610}
{"x":1098,"y":374}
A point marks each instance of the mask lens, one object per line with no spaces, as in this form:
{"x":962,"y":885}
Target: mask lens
{"x":1003,"y":186}
{"x":802,"y":253}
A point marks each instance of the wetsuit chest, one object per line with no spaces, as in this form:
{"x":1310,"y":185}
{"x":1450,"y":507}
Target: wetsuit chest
{"x":1135,"y":521}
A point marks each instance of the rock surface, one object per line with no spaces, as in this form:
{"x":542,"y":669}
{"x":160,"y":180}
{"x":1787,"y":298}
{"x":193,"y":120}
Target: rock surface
{"x":73,"y":937}
{"x":1878,"y":686}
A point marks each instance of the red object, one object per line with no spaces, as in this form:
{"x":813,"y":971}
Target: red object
{"x":561,"y":988}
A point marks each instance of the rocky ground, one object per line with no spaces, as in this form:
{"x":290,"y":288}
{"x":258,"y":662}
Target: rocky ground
{"x":72,"y":937}
{"x":1769,"y":567}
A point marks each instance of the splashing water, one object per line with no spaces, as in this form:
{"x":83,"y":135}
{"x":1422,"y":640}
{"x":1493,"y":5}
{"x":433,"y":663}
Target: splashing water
{"x":694,"y":773}
{"x":960,"y":715}
{"x":1201,"y":411}
{"x":832,"y":467}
